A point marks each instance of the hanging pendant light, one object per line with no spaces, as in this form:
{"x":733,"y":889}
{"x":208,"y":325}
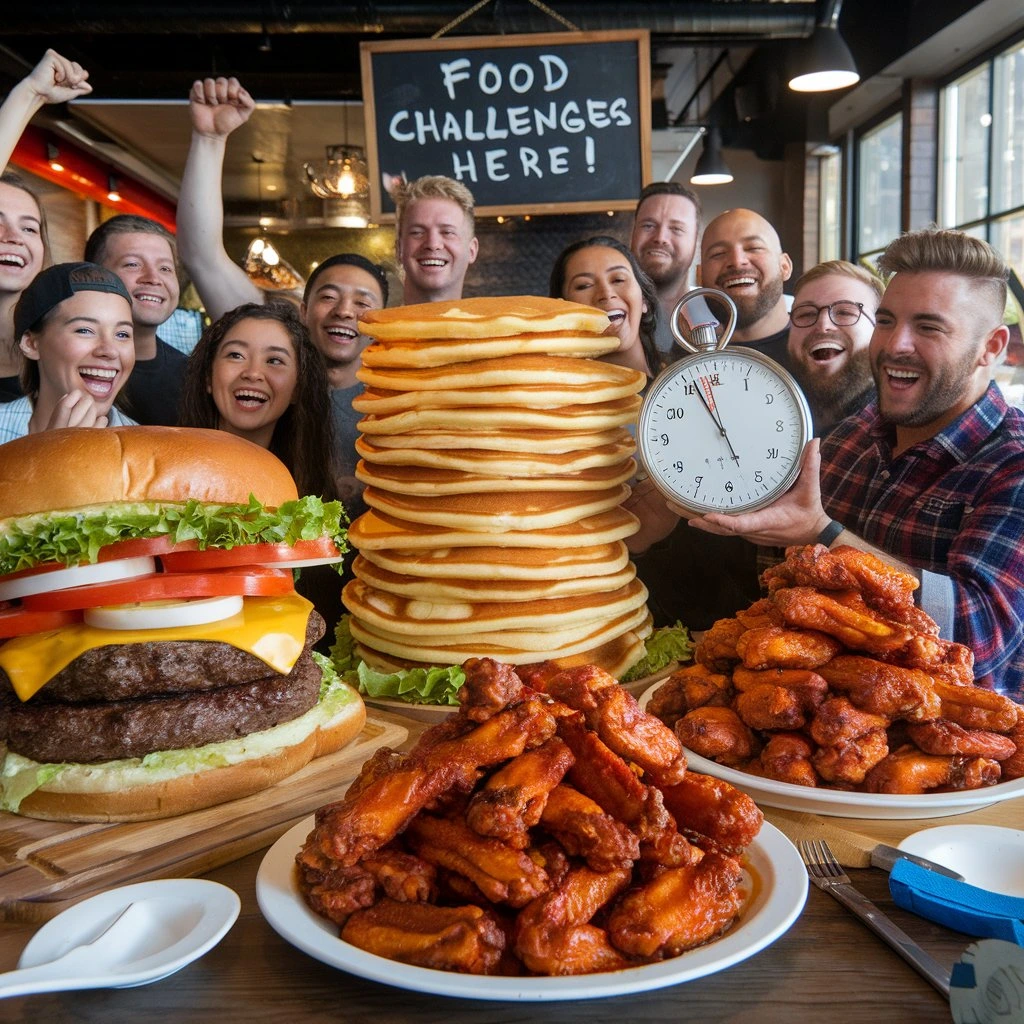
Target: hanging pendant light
{"x":823,"y":61}
{"x":342,"y":180}
{"x":263,"y":263}
{"x":711,"y":167}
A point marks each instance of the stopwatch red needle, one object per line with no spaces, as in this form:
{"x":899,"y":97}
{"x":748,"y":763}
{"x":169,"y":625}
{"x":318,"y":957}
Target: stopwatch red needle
{"x":705,"y":394}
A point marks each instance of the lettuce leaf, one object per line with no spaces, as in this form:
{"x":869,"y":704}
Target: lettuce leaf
{"x":670,"y":643}
{"x":76,"y":537}
{"x":434,"y":685}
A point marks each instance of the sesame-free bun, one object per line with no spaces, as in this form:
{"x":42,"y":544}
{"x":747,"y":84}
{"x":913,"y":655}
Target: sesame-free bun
{"x":109,"y":793}
{"x":77,"y":467}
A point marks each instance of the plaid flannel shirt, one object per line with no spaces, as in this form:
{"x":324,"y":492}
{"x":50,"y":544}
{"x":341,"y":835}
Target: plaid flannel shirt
{"x":951,"y":505}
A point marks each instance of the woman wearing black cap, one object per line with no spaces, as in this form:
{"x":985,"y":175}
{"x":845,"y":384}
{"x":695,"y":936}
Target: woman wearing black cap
{"x":74,"y":329}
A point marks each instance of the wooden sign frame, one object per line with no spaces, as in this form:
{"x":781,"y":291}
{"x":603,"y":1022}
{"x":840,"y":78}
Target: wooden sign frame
{"x":467,"y":45}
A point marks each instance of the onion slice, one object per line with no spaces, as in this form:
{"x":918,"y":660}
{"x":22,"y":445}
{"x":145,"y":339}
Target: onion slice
{"x":164,"y":614}
{"x":76,"y":576}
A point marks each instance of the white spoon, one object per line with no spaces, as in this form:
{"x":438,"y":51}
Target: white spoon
{"x":125,"y":937}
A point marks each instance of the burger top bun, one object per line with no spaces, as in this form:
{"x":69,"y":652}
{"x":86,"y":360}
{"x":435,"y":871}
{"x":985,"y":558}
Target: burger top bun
{"x":76,"y":467}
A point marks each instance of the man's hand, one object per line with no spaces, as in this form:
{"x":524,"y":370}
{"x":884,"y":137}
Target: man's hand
{"x":218,"y":106}
{"x":657,"y":519}
{"x":795,"y":518}
{"x":75,"y":409}
{"x":55,"y":79}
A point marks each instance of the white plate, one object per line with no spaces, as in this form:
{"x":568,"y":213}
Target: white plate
{"x":189,"y":917}
{"x":776,"y":904}
{"x":988,"y":856}
{"x":842,"y":804}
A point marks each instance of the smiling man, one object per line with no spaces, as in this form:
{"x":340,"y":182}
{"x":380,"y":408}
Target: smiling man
{"x":664,"y":241}
{"x":831,"y":321}
{"x":142,"y":253}
{"x":741,"y":254}
{"x":931,"y":477}
{"x":434,"y":239}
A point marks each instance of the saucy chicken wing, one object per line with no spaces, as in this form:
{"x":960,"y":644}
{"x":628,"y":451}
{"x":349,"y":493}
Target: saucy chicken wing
{"x":585,"y":830}
{"x":775,"y":647}
{"x":908,"y":770}
{"x":716,"y":811}
{"x":510,"y":802}
{"x":717,"y":733}
{"x":465,"y":939}
{"x":692,"y":687}
{"x":883,"y":689}
{"x":944,"y":737}
{"x":786,"y":757}
{"x":554,"y":936}
{"x":847,"y":763}
{"x":716,"y":649}
{"x":679,"y":909}
{"x":837,"y":720}
{"x":976,"y":708}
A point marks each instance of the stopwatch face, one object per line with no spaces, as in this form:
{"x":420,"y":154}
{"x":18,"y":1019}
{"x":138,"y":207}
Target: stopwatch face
{"x":723,"y":431}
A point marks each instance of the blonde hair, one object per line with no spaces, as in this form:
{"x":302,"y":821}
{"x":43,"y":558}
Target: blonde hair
{"x":432,"y":186}
{"x":935,"y":250}
{"x":831,"y":268}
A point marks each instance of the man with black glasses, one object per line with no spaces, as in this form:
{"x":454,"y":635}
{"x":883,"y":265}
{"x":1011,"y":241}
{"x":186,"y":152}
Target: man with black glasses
{"x":831,"y":321}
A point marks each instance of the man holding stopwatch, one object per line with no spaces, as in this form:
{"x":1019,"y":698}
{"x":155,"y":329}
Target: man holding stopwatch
{"x":929,"y":477}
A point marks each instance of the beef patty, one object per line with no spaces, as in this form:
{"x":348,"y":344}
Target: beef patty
{"x":127,"y":671}
{"x":107,"y":730}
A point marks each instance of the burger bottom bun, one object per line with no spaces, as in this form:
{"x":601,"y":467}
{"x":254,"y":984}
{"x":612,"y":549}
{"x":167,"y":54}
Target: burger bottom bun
{"x":102,"y":797}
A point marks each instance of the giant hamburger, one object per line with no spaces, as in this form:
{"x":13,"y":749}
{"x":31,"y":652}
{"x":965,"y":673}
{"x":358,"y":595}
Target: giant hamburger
{"x":154,"y":655}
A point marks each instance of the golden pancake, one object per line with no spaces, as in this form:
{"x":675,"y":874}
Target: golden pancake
{"x":489,"y":588}
{"x":510,"y":464}
{"x":494,"y":564}
{"x":485,"y":317}
{"x":390,"y":613}
{"x":600,"y":416}
{"x":382,"y":402}
{"x":496,"y":513}
{"x":377,"y":530}
{"x":615,"y":656}
{"x":511,"y":646}
{"x":414,"y":354}
{"x":556,"y":371}
{"x":545,"y":442}
{"x":416,"y":480}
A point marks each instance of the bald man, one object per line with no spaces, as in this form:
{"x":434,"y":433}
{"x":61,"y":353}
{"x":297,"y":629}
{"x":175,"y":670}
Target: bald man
{"x":741,"y":254}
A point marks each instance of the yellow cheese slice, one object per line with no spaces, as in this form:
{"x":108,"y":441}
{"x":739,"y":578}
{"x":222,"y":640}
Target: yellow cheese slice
{"x":272,"y":629}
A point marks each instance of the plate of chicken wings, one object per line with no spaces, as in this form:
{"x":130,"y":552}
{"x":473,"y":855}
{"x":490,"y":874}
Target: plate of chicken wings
{"x":835,"y":694}
{"x":777,"y":889}
{"x":546,"y":842}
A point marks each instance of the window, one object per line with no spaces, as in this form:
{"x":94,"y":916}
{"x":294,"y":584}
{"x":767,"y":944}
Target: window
{"x":879,"y":167}
{"x":981,"y":174}
{"x":830,"y":206}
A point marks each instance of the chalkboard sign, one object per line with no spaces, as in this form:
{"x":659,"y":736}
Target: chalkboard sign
{"x":546,"y":123}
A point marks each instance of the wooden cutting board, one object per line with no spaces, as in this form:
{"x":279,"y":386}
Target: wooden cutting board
{"x":45,"y":866}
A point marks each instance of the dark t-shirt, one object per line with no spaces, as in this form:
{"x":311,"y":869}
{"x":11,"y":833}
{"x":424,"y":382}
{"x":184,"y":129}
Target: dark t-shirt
{"x":154,"y":387}
{"x":10,"y":389}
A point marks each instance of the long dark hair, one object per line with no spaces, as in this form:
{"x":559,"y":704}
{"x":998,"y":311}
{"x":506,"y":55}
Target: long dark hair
{"x":303,"y":437}
{"x":648,"y":320}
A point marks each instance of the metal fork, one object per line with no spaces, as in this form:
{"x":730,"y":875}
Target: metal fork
{"x":826,"y":873}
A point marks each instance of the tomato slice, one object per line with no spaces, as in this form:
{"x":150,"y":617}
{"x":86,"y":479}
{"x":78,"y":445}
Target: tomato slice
{"x":16,"y":620}
{"x":323,"y":549}
{"x":253,"y":582}
{"x":151,"y":546}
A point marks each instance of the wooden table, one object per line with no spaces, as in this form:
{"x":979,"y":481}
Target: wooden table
{"x":827,"y":967}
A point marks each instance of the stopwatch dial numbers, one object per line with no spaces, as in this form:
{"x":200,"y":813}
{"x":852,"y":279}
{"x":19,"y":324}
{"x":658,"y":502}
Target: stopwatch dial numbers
{"x":724,"y":433}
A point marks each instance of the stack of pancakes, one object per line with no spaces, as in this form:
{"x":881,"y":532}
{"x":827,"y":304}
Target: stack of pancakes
{"x":495,"y":454}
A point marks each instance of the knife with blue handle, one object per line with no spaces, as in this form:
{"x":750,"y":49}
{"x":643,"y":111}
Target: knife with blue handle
{"x":885,"y":857}
{"x":957,"y":905}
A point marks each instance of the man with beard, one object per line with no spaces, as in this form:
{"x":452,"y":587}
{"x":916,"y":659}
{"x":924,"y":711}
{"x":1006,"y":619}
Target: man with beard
{"x":931,"y":476}
{"x":741,"y":255}
{"x":831,"y":322}
{"x":664,"y":241}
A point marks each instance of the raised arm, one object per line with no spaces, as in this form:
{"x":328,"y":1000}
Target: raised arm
{"x":217,"y":107}
{"x":53,"y":80}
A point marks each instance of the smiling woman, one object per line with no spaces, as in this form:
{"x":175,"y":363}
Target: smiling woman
{"x":255,"y":373}
{"x":74,"y":329}
{"x":603,"y":273}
